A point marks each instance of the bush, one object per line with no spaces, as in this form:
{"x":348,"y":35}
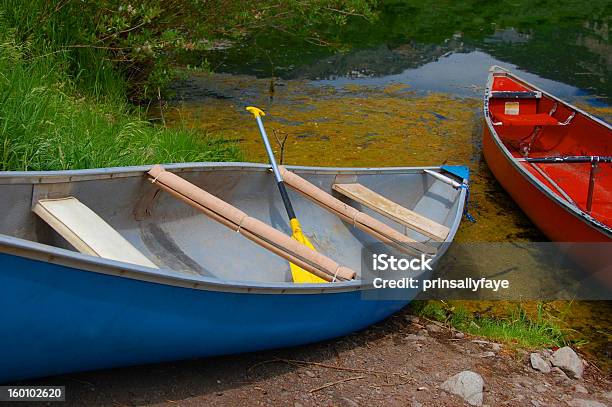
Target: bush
{"x":46,"y":123}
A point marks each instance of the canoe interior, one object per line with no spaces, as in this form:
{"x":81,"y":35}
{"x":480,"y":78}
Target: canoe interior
{"x":181,"y":240}
{"x":583,"y":136}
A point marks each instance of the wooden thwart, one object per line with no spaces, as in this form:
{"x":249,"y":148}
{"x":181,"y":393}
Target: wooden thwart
{"x":87,"y":232}
{"x":398,"y":213}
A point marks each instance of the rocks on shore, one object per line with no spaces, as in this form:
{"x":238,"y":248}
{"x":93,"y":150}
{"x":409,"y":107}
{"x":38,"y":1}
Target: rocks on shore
{"x":564,"y":360}
{"x":538,"y":363}
{"x":466,"y":384}
{"x":567,"y":360}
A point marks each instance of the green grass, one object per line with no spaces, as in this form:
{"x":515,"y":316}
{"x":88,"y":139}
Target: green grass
{"x":51,"y":119}
{"x":517,"y":329}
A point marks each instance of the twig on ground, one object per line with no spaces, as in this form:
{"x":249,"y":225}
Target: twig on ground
{"x":408,"y":380}
{"x":326,"y":385}
{"x":326,"y":366}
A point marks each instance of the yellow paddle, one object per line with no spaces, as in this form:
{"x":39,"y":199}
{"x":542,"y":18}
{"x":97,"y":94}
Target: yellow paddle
{"x":299,"y":274}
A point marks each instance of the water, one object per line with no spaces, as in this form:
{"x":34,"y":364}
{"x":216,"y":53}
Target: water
{"x":463,"y":75}
{"x":407,"y":90}
{"x":564,"y":41}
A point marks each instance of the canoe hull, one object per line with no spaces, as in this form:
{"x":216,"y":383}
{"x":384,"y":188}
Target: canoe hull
{"x":560,"y":220}
{"x":214,"y":292}
{"x":65,"y":320}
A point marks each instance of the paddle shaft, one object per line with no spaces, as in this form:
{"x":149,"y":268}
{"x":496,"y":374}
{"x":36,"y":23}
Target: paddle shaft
{"x":277,"y":175}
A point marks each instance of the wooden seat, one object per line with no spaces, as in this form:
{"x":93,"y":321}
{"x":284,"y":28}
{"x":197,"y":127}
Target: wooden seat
{"x":392,"y":210}
{"x":87,"y":232}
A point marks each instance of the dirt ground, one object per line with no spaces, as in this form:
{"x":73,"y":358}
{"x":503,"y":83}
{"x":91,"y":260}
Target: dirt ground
{"x":401,"y":361}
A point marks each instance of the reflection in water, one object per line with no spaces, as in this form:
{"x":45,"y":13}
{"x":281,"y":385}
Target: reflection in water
{"x":565,"y":42}
{"x":462,"y":74}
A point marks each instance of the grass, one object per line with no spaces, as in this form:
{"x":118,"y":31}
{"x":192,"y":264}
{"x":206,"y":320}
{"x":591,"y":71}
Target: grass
{"x":518,"y":329}
{"x":54,"y":119}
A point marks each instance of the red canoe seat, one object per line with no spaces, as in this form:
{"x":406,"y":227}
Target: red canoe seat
{"x":531,"y":120}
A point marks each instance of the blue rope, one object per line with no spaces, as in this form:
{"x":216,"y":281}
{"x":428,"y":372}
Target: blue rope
{"x":466,"y":213}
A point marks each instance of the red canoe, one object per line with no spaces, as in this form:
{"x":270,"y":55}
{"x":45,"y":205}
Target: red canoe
{"x":551,"y":157}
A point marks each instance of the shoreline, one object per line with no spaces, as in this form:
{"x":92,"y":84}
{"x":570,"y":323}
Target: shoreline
{"x":404,"y":360}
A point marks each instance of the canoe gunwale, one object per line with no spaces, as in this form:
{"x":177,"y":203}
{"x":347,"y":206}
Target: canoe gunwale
{"x":14,"y":246}
{"x":574,"y":210}
{"x":50,"y":177}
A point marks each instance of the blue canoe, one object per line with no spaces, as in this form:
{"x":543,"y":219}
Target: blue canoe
{"x":213,"y":291}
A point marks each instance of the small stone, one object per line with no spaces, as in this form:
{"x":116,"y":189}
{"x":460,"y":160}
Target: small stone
{"x":540,"y":388}
{"x":310,"y":374}
{"x":422,"y":388}
{"x":496,"y":347}
{"x":459,"y":335}
{"x":567,"y":360}
{"x":416,"y":404}
{"x":538,"y":363}
{"x":585,"y":403}
{"x":422,"y":332}
{"x":412,"y":318}
{"x":433,"y":328}
{"x":466,"y":384}
{"x":578,"y":388}
{"x":535,"y":403}
{"x":487,"y":354}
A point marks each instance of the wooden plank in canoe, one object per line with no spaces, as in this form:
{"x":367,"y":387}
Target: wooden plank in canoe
{"x":88,"y":232}
{"x":398,"y":213}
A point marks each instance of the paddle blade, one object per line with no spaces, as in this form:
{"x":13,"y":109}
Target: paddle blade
{"x":299,"y":274}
